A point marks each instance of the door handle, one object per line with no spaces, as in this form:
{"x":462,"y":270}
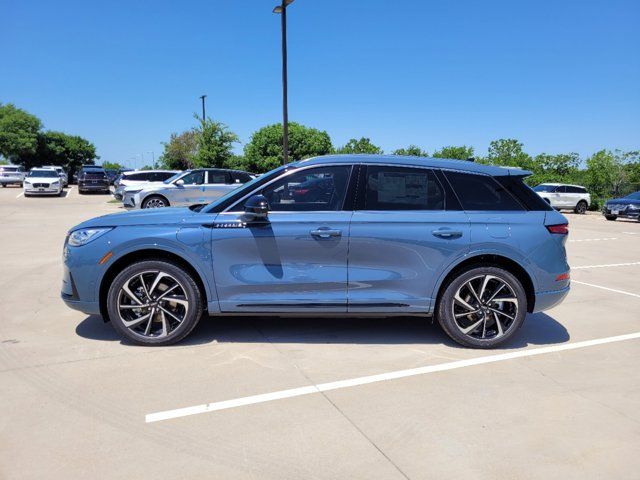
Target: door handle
{"x":325,"y":233}
{"x":444,"y":233}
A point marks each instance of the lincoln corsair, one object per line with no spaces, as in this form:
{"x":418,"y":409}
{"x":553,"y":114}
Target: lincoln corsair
{"x":470,"y":245}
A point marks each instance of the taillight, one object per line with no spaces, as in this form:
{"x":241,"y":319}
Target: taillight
{"x":561,"y":229}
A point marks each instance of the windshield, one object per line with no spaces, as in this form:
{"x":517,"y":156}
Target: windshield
{"x":246,"y":188}
{"x":43,"y":173}
{"x":545,"y":188}
{"x":634,"y":196}
{"x":175,"y":177}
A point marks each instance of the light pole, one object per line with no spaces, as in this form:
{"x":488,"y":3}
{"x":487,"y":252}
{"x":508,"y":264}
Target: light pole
{"x":202,"y":97}
{"x":153,"y":157}
{"x":282,"y":10}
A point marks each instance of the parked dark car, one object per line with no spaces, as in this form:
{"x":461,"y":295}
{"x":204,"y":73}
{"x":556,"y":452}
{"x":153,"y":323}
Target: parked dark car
{"x":112,"y":174}
{"x":626,"y":207}
{"x":93,"y":179}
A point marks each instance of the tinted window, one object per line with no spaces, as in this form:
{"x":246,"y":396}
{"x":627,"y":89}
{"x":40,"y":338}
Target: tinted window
{"x":315,"y":189}
{"x":525,"y":195}
{"x":216,"y":176}
{"x":43,"y":173}
{"x":241,"y":177}
{"x":162,"y":176}
{"x":8,"y":169}
{"x":398,"y":188}
{"x":545,"y":188}
{"x":194,"y":178}
{"x":138,"y":177}
{"x":576,"y":190}
{"x":481,"y":192}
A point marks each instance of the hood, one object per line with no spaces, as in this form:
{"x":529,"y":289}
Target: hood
{"x":151,"y":216}
{"x":623,"y":201}
{"x":47,"y":180}
{"x":153,"y":187}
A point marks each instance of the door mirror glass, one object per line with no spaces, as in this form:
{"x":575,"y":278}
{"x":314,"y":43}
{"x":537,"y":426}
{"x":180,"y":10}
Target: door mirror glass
{"x":256,"y":208}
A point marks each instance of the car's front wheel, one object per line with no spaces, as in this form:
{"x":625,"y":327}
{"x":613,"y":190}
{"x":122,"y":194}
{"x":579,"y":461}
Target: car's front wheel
{"x":155,"y":201}
{"x":611,"y":218}
{"x":581,"y":207}
{"x":482,"y":307}
{"x":154,"y":302}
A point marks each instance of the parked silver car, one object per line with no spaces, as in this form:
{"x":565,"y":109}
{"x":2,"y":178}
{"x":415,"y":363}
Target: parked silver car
{"x":137,"y":180}
{"x":187,"y":188}
{"x":63,"y":175}
{"x":11,"y":174}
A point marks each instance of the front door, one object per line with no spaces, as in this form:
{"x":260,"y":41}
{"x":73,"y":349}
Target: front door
{"x":297,"y":260}
{"x":191,"y":191}
{"x":401,"y":239}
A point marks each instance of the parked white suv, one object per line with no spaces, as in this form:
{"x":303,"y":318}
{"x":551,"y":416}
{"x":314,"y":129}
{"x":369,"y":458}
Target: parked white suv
{"x":140,"y":179}
{"x":561,"y":196}
{"x":11,"y":174}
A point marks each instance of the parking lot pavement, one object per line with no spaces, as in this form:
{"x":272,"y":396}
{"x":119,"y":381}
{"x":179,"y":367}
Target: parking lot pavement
{"x":76,"y":399}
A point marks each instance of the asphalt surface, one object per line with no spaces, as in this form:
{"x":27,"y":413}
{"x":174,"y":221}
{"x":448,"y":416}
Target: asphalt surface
{"x":75,"y":399}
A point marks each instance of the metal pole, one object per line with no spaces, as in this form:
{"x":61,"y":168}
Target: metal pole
{"x":204,"y":116}
{"x":285,"y":113}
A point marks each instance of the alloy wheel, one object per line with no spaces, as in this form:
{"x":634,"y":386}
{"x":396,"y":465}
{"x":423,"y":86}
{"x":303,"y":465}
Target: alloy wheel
{"x":152,"y":304}
{"x":485,"y":307}
{"x":155,"y":203}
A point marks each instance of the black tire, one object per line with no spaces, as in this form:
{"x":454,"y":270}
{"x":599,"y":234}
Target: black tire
{"x":4,"y":185}
{"x":155,"y":200}
{"x":445,"y":308}
{"x":187,"y":283}
{"x":60,"y":193}
{"x":611,"y":218}
{"x":581,"y":207}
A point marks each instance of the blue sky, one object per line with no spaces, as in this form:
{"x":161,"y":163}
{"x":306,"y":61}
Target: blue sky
{"x":560,"y":76}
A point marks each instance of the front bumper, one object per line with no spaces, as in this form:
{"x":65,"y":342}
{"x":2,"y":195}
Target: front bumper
{"x":633,"y":213}
{"x":42,"y":190}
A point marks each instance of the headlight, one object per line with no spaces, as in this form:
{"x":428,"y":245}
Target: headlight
{"x":57,"y":182}
{"x":633,"y":207}
{"x":86,"y":235}
{"x":133,"y":192}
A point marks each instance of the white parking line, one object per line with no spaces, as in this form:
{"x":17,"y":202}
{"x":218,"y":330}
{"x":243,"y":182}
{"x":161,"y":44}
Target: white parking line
{"x":632,"y":233}
{"x":606,"y":265}
{"x":324,"y":387}
{"x":20,"y":194}
{"x":68,"y":192}
{"x":593,"y":239}
{"x":607,"y":288}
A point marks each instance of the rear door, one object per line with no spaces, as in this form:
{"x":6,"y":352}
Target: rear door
{"x":218,"y":183}
{"x":406,"y":229}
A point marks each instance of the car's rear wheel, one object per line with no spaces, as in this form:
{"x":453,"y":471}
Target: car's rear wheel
{"x":154,"y":302}
{"x":611,"y":218}
{"x":581,"y":207}
{"x":155,"y":201}
{"x":482,"y":307}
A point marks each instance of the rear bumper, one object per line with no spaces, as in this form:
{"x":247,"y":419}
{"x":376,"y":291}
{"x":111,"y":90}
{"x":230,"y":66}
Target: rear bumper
{"x":549,"y":299}
{"x":102,"y":187}
{"x":10,"y":180}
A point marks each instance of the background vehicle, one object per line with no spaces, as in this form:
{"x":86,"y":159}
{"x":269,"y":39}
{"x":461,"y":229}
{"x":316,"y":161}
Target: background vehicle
{"x":561,"y":196}
{"x":188,"y":188}
{"x":112,"y":174}
{"x":11,"y":175}
{"x":43,"y":181}
{"x":92,"y":178}
{"x":61,"y":173}
{"x":626,"y":207}
{"x":140,"y":179}
{"x":391,"y":235}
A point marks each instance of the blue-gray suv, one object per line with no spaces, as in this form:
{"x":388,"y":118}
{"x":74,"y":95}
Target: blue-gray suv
{"x":337,"y":235}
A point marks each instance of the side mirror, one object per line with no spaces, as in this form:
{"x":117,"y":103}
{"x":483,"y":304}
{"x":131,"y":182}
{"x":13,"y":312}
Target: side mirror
{"x":256,"y":209}
{"x":180,"y":183}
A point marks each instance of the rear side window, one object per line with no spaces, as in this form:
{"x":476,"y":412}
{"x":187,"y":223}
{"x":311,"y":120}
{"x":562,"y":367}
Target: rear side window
{"x":481,"y":192}
{"x":399,"y":188}
{"x":241,"y":177}
{"x":576,"y":190}
{"x":525,"y":194}
{"x":216,"y":176}
{"x":136,"y":177}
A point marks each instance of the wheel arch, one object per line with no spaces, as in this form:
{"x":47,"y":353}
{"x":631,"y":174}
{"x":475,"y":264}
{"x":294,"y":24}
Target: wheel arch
{"x":154,"y":194}
{"x":146,"y":254}
{"x":491,"y":259}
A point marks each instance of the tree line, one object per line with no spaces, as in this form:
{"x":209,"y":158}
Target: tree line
{"x":211,"y":144}
{"x":24,"y":142}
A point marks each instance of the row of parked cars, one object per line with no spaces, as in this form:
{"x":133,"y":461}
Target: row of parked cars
{"x":170,"y":188}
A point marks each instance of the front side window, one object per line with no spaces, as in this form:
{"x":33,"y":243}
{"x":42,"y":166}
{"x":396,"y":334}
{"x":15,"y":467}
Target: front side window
{"x":481,"y":192}
{"x":400,"y":188}
{"x":194,"y":178}
{"x":313,"y":189}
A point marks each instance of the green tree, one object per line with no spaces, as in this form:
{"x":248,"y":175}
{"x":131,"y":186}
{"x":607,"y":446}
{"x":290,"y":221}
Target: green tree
{"x":112,"y":165}
{"x":561,"y":168}
{"x":264,"y":150}
{"x":361,"y":145}
{"x":18,"y":133}
{"x":67,"y":151}
{"x":508,"y":153}
{"x":180,"y":151}
{"x":411,"y":150}
{"x":606,"y":173}
{"x":215,"y":144}
{"x":461,"y":153}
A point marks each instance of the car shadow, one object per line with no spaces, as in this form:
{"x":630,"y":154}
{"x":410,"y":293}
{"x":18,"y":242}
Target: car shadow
{"x":538,"y":329}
